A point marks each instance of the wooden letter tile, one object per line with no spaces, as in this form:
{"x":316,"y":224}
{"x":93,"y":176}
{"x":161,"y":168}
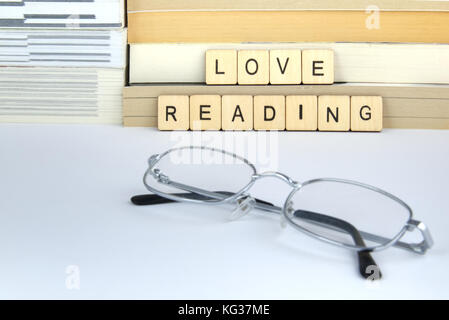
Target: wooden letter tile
{"x":221,"y":66}
{"x":269,"y":113}
{"x":253,"y":67}
{"x":318,"y":66}
{"x":205,"y":112}
{"x":366,"y":113}
{"x":237,"y":113}
{"x":334,"y":113}
{"x":285,"y":66}
{"x":301,"y":112}
{"x":173,"y":113}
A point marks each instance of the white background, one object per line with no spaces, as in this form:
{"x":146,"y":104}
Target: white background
{"x":64,"y":201}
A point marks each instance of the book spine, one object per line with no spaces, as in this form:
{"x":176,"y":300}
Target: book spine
{"x":227,"y":5}
{"x":288,"y":26}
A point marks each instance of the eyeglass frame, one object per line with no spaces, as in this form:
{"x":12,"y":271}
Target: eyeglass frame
{"x":410,"y":225}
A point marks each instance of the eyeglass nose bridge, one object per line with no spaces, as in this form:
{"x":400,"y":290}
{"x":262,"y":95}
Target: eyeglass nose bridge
{"x":278,"y":175}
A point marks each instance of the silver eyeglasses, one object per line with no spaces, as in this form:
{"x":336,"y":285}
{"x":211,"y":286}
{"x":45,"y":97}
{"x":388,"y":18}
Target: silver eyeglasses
{"x":344,"y":213}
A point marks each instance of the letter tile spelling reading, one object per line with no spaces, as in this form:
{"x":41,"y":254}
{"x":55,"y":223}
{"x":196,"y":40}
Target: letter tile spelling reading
{"x":269,"y":112}
{"x":275,"y":112}
{"x":237,"y":112}
{"x":301,"y":113}
{"x":334,"y":113}
{"x":173,"y":113}
{"x":205,"y":112}
{"x":366,"y":113}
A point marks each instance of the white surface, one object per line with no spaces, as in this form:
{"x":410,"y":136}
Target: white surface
{"x":64,"y":200}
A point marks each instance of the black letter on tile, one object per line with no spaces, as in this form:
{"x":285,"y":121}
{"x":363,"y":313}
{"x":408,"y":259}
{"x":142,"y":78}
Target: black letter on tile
{"x":315,"y":67}
{"x":329,"y":111}
{"x":237,"y":115}
{"x":204,"y":112}
{"x":367,"y":115}
{"x":216,"y":68}
{"x":285,"y":65}
{"x":255,"y":71}
{"x":300,"y":112}
{"x":172,"y":112}
{"x":265,"y":118}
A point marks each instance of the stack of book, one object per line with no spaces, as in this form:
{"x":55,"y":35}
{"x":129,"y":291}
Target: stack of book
{"x":62,"y":61}
{"x":395,"y":49}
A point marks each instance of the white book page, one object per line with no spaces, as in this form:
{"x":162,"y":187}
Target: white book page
{"x":354,"y":62}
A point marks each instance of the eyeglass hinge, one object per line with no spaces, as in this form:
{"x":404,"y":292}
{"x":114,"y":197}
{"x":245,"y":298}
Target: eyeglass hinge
{"x":427,"y":241}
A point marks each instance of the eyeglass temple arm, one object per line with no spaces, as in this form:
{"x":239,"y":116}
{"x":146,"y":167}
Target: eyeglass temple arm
{"x":366,"y":261}
{"x":150,"y":199}
{"x":365,"y":258}
{"x":198,"y":194}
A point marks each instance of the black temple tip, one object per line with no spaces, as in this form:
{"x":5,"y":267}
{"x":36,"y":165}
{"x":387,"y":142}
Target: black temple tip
{"x":368,"y":267}
{"x":149,"y":199}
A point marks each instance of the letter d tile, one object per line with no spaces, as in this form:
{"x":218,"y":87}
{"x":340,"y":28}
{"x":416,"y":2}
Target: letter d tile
{"x":269,"y":112}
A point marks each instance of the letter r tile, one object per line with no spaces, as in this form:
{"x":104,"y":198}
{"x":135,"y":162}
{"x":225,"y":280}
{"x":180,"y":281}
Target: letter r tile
{"x":173,"y":113}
